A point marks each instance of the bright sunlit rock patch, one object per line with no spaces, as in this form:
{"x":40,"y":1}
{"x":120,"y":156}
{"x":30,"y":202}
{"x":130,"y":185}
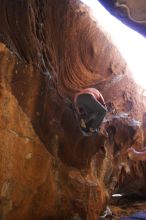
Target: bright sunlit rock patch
{"x":131,"y":44}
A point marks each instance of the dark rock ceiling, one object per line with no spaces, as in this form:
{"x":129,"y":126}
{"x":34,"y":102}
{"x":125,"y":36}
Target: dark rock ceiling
{"x":130,"y":12}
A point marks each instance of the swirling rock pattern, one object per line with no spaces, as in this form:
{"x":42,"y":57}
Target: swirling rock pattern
{"x":62,"y":50}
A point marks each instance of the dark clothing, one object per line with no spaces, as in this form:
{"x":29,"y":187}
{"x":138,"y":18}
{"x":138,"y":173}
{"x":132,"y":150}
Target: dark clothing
{"x":90,"y":113}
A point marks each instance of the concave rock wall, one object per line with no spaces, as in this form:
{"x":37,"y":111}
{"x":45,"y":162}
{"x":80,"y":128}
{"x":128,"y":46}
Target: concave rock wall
{"x":48,"y":169}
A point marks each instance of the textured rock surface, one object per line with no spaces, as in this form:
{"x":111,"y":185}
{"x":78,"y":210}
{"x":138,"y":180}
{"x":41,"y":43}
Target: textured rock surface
{"x":76,"y":175}
{"x":128,"y":208}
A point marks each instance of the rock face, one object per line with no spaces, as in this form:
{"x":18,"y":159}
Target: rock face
{"x":48,"y":170}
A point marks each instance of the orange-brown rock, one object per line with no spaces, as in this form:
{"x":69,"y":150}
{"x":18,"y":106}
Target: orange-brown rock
{"x":48,"y":170}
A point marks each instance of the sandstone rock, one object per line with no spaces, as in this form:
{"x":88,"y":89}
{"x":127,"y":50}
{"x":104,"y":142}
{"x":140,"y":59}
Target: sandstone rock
{"x":48,"y":169}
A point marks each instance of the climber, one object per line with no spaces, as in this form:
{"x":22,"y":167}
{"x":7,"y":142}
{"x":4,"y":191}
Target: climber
{"x":136,"y":155}
{"x":90,"y":110}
